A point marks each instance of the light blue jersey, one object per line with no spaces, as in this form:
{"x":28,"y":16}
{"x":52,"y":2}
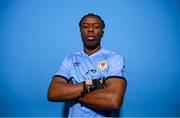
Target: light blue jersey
{"x":79,"y":67}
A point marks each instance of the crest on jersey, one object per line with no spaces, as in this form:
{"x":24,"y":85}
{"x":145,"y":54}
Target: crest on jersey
{"x":102,"y":65}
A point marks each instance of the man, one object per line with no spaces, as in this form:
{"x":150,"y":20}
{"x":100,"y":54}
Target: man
{"x":92,"y":80}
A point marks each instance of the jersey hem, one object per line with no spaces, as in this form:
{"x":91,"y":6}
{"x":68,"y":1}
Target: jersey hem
{"x":120,"y":77}
{"x":61,"y":77}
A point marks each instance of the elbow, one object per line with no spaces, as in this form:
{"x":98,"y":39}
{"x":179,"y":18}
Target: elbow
{"x":50,"y":97}
{"x":116,"y":104}
{"x":53,"y":97}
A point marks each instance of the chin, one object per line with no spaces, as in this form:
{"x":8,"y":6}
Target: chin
{"x":92,"y":47}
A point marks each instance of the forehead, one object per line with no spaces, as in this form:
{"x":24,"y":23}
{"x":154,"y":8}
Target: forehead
{"x":91,"y":19}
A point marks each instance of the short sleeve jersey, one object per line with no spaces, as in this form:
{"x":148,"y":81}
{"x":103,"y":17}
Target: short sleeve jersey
{"x":79,"y":67}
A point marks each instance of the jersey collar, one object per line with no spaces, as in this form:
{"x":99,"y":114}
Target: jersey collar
{"x":93,"y":55}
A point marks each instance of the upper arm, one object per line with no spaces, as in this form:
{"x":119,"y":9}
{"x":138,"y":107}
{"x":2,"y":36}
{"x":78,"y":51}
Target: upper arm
{"x":116,"y":87}
{"x":115,"y":79}
{"x":58,"y":80}
{"x":55,"y":82}
{"x":116,"y":66}
{"x":64,"y":70}
{"x":61,"y":76}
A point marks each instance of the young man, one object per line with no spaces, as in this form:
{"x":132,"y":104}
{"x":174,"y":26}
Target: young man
{"x":92,"y":80}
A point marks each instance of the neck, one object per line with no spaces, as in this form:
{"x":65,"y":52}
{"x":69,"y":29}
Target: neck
{"x":90,"y":52}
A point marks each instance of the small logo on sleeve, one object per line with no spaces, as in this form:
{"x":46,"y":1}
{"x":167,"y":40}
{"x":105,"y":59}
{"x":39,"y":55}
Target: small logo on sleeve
{"x":102,"y":65}
{"x":76,"y":63}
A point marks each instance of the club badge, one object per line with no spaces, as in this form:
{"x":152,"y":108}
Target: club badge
{"x":102,"y":65}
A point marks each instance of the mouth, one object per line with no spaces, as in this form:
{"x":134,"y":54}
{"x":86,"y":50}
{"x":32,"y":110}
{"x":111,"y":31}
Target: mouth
{"x":90,"y":38}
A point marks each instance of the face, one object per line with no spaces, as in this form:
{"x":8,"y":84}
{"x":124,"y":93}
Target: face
{"x":91,"y":32}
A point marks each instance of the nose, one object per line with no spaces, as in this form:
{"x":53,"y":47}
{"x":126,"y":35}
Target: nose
{"x":90,"y":29}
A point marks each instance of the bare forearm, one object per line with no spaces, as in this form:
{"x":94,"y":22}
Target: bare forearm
{"x":111,"y":97}
{"x":67,"y":92}
{"x":64,"y":91}
{"x":101,"y":99}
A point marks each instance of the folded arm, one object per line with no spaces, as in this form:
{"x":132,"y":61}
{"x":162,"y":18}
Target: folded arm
{"x":61,"y":90}
{"x":111,"y":97}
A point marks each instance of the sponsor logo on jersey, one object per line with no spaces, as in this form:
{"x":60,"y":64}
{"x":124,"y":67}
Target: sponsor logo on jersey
{"x":102,"y":65}
{"x":76,"y":63}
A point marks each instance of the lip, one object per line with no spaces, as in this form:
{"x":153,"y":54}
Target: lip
{"x":90,"y":38}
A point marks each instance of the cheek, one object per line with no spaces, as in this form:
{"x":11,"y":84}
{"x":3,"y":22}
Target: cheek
{"x":83,"y":32}
{"x":100,"y":33}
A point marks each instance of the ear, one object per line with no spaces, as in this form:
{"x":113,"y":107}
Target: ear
{"x":102,"y":33}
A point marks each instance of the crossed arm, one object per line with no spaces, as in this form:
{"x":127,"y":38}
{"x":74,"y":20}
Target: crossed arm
{"x":111,"y":97}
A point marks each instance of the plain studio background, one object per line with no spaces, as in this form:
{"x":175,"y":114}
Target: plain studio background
{"x":36,"y":35}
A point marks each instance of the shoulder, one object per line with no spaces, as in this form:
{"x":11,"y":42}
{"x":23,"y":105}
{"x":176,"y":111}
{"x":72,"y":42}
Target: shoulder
{"x":112,"y":54}
{"x":73,"y":56}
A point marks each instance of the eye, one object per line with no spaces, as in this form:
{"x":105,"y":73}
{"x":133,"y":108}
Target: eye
{"x":84,"y":26}
{"x":97,"y":26}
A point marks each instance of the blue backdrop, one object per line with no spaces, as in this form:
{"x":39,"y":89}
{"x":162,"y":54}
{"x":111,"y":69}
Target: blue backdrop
{"x":35,"y":36}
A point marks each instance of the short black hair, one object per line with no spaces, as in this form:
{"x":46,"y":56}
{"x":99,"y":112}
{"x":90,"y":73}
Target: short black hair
{"x":91,"y":14}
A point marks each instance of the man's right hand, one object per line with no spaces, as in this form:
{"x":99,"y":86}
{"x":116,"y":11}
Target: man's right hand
{"x":91,"y":85}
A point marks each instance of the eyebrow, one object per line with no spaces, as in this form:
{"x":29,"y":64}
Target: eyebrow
{"x":92,"y":23}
